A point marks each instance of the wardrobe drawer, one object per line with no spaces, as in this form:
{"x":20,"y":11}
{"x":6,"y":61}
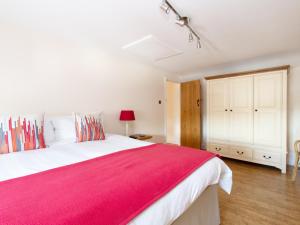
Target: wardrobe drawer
{"x":241,"y":152}
{"x":267,"y":156}
{"x":218,"y":148}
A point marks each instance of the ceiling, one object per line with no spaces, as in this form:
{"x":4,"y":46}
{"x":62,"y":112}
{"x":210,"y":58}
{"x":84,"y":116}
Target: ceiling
{"x":231,"y":30}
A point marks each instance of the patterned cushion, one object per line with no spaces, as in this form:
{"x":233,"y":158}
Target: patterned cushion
{"x":89,"y":127}
{"x":21,"y":133}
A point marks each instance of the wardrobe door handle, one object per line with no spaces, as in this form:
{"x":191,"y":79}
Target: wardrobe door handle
{"x":226,"y":110}
{"x":198,"y":102}
{"x":231,"y":110}
{"x":256,"y":110}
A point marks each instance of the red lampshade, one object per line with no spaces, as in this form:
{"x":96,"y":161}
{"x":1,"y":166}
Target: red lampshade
{"x":127,"y":115}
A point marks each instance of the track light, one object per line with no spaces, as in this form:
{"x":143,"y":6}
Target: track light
{"x":181,"y":21}
{"x":198,"y":43}
{"x":191,"y":37}
{"x":164,"y":6}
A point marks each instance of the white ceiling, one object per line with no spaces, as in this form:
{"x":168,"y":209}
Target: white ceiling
{"x":231,"y":30}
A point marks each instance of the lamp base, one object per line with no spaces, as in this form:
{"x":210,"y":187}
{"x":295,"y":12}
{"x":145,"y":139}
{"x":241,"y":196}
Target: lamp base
{"x":126,"y":128}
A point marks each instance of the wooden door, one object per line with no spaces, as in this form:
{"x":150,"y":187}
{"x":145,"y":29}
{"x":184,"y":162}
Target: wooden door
{"x":218,"y":110}
{"x":268,"y":109}
{"x":241,"y":109}
{"x":190,"y":114}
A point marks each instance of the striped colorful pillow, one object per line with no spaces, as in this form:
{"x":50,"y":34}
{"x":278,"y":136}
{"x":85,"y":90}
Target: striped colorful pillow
{"x":21,"y":133}
{"x":89,"y":127}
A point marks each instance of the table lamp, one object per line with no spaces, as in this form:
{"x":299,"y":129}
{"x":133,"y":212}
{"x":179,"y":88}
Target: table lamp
{"x":127,"y":115}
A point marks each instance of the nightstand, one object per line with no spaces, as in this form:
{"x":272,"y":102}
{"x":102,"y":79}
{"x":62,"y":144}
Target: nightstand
{"x":141,"y":137}
{"x":159,"y":139}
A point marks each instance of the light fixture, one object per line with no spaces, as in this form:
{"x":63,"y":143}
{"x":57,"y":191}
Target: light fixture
{"x":164,"y":6}
{"x":191,"y":37}
{"x":181,"y":21}
{"x":198,"y":43}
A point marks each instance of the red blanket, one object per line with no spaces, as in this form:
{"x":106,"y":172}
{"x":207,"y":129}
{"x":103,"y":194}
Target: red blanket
{"x":108,"y":190}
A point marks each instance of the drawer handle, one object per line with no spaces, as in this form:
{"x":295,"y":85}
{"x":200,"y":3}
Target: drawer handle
{"x":267,"y":157}
{"x":218,"y":149}
{"x":240,"y":153}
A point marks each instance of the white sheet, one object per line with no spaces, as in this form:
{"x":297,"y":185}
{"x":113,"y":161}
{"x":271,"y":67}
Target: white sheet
{"x":162,"y":212}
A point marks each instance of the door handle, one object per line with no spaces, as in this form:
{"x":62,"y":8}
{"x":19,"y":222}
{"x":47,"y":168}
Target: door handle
{"x":198,"y":102}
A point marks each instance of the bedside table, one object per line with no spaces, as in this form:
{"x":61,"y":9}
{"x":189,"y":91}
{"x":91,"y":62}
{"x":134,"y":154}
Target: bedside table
{"x":141,"y":137}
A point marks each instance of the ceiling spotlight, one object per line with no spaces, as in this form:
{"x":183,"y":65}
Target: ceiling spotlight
{"x":164,"y":6}
{"x":198,"y":43}
{"x":191,"y":38}
{"x":182,"y":21}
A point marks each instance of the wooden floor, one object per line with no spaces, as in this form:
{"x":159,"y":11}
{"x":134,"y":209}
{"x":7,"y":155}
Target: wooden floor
{"x":260,"y":196}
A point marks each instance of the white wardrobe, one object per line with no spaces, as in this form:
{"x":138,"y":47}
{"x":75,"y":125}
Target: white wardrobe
{"x":247,"y":116}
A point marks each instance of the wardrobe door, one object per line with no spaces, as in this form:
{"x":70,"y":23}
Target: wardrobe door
{"x":241,"y":109}
{"x":268,"y":108}
{"x":218,"y":108}
{"x":190,"y":114}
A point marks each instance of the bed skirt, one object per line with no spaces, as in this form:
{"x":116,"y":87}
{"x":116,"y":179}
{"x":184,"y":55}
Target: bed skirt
{"x":204,"y":211}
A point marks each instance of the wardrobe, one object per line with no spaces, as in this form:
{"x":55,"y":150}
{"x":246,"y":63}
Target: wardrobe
{"x":247,"y":116}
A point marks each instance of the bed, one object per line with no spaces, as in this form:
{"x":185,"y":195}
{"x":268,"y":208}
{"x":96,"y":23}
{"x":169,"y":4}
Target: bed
{"x":192,"y":201}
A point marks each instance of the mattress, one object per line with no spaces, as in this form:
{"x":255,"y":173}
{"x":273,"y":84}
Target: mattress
{"x":164,"y":211}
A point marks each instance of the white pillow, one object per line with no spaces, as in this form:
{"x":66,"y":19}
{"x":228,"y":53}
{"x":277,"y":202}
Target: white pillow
{"x":59,"y":129}
{"x":49,"y":134}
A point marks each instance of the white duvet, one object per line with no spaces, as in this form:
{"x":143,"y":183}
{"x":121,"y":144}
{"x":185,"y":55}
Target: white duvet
{"x":163,"y":212}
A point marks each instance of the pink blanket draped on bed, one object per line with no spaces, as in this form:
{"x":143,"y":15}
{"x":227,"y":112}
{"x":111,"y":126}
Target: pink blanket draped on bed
{"x":107,"y":190}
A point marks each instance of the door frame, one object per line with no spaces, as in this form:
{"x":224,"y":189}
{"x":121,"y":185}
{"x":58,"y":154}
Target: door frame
{"x":166,"y":80}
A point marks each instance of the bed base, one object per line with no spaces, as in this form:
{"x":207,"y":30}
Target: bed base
{"x":204,"y":211}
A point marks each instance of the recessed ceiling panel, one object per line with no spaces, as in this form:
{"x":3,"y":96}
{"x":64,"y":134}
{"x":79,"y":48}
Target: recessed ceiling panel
{"x":151,"y":48}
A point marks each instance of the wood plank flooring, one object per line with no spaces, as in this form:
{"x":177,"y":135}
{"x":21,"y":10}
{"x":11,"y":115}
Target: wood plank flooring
{"x":260,"y":196}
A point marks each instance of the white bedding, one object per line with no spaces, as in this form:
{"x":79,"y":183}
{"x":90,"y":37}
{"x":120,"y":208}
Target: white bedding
{"x":163,"y":212}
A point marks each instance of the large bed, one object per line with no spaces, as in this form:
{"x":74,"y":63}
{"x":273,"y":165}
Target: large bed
{"x":193,"y":201}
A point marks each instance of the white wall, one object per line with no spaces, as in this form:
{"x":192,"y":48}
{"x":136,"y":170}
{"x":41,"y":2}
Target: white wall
{"x":40,"y":73}
{"x":173,"y":112}
{"x":292,"y":59}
